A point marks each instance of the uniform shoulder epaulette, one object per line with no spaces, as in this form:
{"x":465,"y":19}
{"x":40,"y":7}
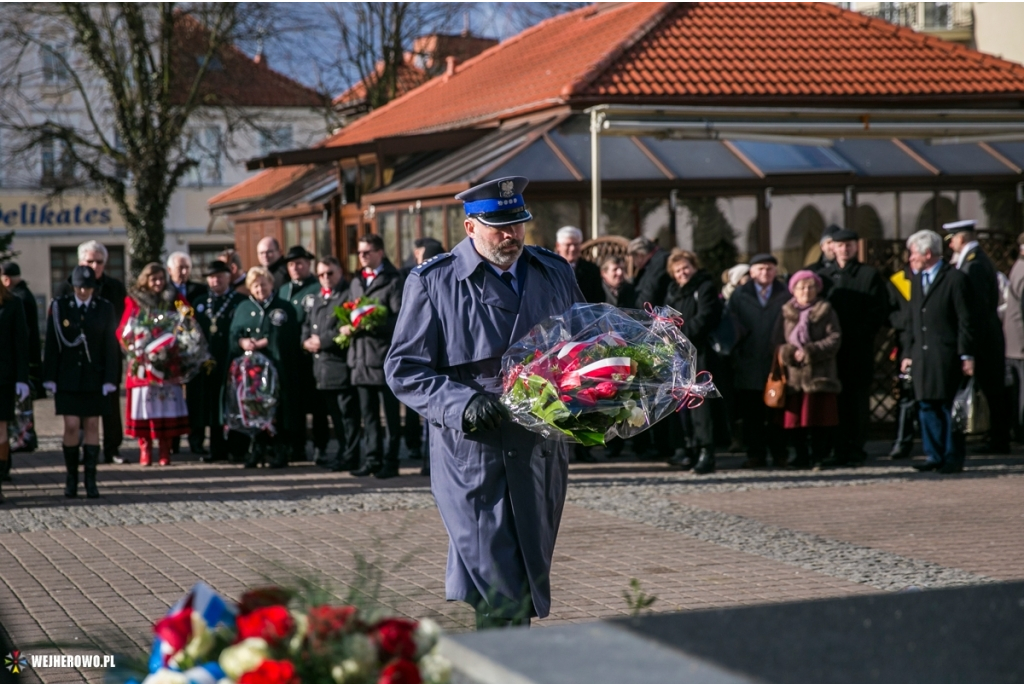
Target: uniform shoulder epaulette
{"x":971,"y":256}
{"x":431,"y":263}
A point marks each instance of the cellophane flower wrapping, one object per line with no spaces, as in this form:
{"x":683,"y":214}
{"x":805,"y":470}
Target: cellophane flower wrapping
{"x":20,"y":430}
{"x":272,"y":635}
{"x":251,"y":395}
{"x":364,"y":314}
{"x":164,"y":347}
{"x":597,"y":372}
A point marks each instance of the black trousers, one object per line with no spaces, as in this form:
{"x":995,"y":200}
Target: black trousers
{"x":991,"y":376}
{"x":196,"y":400}
{"x":343,"y":408}
{"x":113,"y":431}
{"x":413,"y":430}
{"x":373,"y":432}
{"x":851,"y":433}
{"x":696,"y":427}
{"x":761,"y":433}
{"x":817,"y":451}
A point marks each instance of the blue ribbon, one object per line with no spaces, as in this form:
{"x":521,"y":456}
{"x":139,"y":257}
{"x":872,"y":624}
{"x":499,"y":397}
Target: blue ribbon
{"x":494,"y":205}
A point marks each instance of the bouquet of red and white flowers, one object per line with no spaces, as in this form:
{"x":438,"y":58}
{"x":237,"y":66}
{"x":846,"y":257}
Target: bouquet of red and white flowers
{"x":597,"y":372}
{"x":251,"y":395}
{"x":364,"y":314}
{"x":270,"y":636}
{"x":164,"y":346}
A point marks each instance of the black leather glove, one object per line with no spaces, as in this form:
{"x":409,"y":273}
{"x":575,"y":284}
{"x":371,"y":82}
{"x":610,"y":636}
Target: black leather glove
{"x":483,"y":413}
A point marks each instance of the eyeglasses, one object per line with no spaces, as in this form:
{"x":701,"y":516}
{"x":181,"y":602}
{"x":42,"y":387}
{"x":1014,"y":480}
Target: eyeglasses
{"x":326,"y":274}
{"x":94,"y":261}
{"x":365,"y":253}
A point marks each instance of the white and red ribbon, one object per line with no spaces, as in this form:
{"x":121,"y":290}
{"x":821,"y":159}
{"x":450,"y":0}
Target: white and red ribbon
{"x":359,"y":312}
{"x":573,"y":349}
{"x":612,"y":368}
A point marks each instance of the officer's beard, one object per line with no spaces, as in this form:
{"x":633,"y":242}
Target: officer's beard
{"x":505,"y":253}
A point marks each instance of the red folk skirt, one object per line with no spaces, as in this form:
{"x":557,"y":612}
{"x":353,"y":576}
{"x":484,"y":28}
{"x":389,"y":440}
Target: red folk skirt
{"x":156,"y":412}
{"x":810,"y":410}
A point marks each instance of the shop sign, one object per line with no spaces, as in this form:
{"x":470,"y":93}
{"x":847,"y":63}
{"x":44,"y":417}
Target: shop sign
{"x":27,"y":212}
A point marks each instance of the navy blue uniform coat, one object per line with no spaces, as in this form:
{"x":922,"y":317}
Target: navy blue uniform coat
{"x":500,"y":492}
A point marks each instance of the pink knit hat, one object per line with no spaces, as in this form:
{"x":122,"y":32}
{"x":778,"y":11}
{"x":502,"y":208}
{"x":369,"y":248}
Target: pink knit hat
{"x":801,"y":275}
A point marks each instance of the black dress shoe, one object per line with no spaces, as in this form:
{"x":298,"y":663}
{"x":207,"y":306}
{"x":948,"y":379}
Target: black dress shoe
{"x":367,"y":470}
{"x":705,"y":461}
{"x":387,"y":472}
{"x":682,"y":459}
{"x":928,"y":466}
{"x":951,"y":467}
{"x":898,"y":452}
{"x":206,"y":459}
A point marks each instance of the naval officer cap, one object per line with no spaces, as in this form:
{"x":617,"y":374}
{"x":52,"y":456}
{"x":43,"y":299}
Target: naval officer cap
{"x":955,"y":227}
{"x":497,"y":203}
{"x":83,"y":277}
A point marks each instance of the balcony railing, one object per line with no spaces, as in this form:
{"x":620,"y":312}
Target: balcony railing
{"x":925,"y":16}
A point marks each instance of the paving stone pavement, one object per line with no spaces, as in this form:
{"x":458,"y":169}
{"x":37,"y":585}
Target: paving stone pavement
{"x":101,"y":572}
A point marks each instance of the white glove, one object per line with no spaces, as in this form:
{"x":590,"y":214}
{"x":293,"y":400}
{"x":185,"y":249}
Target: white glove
{"x":50,"y":386}
{"x":108,"y":388}
{"x":22,"y":390}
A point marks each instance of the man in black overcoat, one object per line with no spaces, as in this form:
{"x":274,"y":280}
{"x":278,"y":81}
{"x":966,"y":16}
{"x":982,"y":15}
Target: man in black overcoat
{"x":330,"y":367}
{"x":857,"y":293}
{"x":651,"y":278}
{"x":618,"y":291}
{"x":568,"y":244}
{"x":990,"y":343}
{"x":938,"y":349}
{"x":94,"y":254}
{"x":379,"y":280}
{"x":12,"y":280}
{"x":756,"y":306}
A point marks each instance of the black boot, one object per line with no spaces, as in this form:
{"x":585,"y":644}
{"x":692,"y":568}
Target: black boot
{"x":92,"y":457}
{"x":280,"y":453}
{"x":371,"y":467}
{"x":682,"y":458}
{"x":71,"y":464}
{"x":5,"y":467}
{"x":705,"y":461}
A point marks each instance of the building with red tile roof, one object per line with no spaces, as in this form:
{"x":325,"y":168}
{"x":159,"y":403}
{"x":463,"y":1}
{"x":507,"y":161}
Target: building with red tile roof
{"x":530,"y":90}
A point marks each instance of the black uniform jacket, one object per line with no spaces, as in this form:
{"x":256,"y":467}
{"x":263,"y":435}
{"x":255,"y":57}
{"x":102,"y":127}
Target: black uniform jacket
{"x":700,"y":305}
{"x":652,"y":281}
{"x":278,"y":323}
{"x":858,"y":295}
{"x":984,"y":297}
{"x":939,"y":334}
{"x":13,"y":343}
{"x":752,"y":356}
{"x":74,"y":369}
{"x":110,"y":289}
{"x":35,"y":356}
{"x":588,"y":278}
{"x":330,"y":364}
{"x":367,"y":351}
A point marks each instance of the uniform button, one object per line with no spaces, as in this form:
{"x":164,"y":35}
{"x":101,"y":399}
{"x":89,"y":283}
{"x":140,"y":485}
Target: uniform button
{"x":252,"y":313}
{"x":314,"y":325}
{"x":923,"y":310}
{"x":512,"y":454}
{"x":924,"y":328}
{"x":925,"y":347}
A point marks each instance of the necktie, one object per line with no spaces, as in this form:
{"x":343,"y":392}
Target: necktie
{"x":507,"y":278}
{"x":927,"y":282}
{"x":368,"y":273}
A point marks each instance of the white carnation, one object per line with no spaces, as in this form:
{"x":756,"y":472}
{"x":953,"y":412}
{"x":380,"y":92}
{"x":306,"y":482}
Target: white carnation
{"x":239,"y":659}
{"x":434,"y":668}
{"x":166,"y":675}
{"x":426,"y":636}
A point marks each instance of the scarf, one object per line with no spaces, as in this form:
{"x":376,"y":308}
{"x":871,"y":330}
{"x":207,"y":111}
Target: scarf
{"x":801,"y":333}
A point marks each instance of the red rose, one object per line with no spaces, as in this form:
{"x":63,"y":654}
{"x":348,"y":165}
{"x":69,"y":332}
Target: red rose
{"x":329,"y":622}
{"x":176,"y":629}
{"x":565,"y":398}
{"x":394,"y":636}
{"x":268,"y":596}
{"x":400,"y":671}
{"x":606,"y":390}
{"x":587,"y":397}
{"x":273,"y":624}
{"x":270,"y":671}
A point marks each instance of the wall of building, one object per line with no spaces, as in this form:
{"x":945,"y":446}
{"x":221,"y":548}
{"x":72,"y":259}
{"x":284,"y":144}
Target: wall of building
{"x":998,"y":27}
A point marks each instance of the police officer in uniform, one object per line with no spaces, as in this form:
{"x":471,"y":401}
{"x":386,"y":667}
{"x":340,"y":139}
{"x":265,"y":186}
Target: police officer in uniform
{"x":330,"y":367}
{"x":82,"y":366}
{"x":301,"y":291}
{"x":214,"y":312}
{"x":990,"y":344}
{"x":499,"y":487}
{"x":267,"y":324}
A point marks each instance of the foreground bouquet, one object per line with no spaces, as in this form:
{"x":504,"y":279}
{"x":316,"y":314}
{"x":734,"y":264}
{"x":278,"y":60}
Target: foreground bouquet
{"x":365,"y":314}
{"x":164,"y":346}
{"x":597,"y":372}
{"x":267,"y":637}
{"x":250,"y":399}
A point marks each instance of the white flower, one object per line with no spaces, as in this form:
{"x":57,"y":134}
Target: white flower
{"x":426,"y":636}
{"x":166,"y":675}
{"x":301,"y":628}
{"x":360,"y":648}
{"x":202,"y":642}
{"x":239,"y":659}
{"x":348,"y":671}
{"x":637,"y":418}
{"x":434,"y":668}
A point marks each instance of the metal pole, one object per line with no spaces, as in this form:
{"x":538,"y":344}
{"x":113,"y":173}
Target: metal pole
{"x":596,"y":121}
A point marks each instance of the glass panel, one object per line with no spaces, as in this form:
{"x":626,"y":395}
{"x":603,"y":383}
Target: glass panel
{"x":387,"y":227}
{"x":351,"y":247}
{"x":1012,"y":151}
{"x":407,"y":234}
{"x":996,"y":210}
{"x":457,"y":225}
{"x":698,"y":158}
{"x":797,"y":222}
{"x":878,"y":158}
{"x":204,"y":253}
{"x":621,"y":158}
{"x":965,"y":158}
{"x":876,"y":216}
{"x":306,"y":235}
{"x":777,"y":158}
{"x":703,"y":226}
{"x":433,"y":223}
{"x":323,"y":238}
{"x":537,"y":162}
{"x":290,"y":233}
{"x":741,"y":213}
{"x":548,"y":217}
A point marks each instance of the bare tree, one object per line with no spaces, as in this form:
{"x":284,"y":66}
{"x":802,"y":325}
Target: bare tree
{"x":110,"y":92}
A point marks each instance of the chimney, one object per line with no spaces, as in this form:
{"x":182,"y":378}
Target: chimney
{"x":261,"y":60}
{"x":449,"y":66}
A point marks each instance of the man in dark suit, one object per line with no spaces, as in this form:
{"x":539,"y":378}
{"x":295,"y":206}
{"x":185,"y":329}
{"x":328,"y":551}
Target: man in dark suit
{"x":268,"y":253}
{"x":651,"y":278}
{"x":93,"y":254}
{"x":568,"y":244}
{"x":938,"y":349}
{"x":179,"y":269}
{"x":617,"y":290}
{"x":990,"y":344}
{"x":857,"y":293}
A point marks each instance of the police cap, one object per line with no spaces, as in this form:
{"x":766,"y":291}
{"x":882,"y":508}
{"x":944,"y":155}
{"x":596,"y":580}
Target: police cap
{"x":83,"y":277}
{"x":497,"y":203}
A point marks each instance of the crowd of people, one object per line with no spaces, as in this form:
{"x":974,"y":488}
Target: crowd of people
{"x":814,"y":333}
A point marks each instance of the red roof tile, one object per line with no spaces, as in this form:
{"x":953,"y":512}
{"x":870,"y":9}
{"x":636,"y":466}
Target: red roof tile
{"x":693,"y":53}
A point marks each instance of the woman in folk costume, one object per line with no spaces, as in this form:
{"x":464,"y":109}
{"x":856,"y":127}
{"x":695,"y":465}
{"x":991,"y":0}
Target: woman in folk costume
{"x":156,"y":411}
